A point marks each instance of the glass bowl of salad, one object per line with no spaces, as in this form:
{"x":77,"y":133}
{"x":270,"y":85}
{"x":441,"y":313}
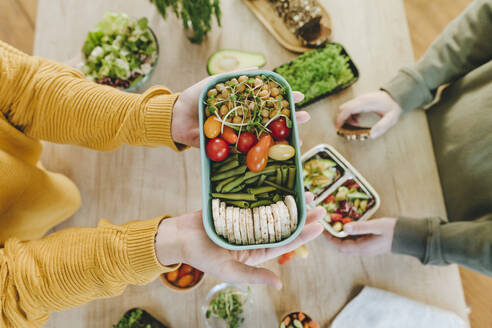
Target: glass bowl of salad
{"x":227,"y":306}
{"x":121,"y":51}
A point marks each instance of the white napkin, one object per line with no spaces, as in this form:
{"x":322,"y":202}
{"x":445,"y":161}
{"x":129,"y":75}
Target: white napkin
{"x":376,"y":308}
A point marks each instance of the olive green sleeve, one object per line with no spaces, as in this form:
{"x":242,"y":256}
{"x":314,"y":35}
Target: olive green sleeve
{"x":438,"y":243}
{"x":463,"y":46}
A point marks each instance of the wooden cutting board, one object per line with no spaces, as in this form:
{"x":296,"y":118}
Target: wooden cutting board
{"x":265,"y":13}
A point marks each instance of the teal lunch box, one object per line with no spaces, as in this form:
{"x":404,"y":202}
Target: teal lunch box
{"x":206,"y":163}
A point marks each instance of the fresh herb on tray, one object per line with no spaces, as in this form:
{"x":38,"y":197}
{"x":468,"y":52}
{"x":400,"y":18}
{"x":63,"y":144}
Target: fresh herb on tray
{"x":318,"y":72}
{"x":228,"y":306}
{"x":197,"y":13}
{"x":138,"y":318}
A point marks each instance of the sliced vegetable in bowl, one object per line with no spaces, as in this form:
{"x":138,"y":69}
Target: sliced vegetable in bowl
{"x":120,"y":51}
{"x":251,"y":177}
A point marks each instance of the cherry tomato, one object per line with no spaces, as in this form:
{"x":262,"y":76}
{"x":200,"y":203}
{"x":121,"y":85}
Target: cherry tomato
{"x":185,"y":269}
{"x":354,"y":186}
{"x":229,"y":135}
{"x":348,"y":182}
{"x":185,"y":281}
{"x":335,"y":217}
{"x":257,"y":157}
{"x":281,"y":142}
{"x":196,"y":275}
{"x":346,"y":220}
{"x":281,"y":152}
{"x":217,"y":149}
{"x":246,"y":141}
{"x":285,"y":257}
{"x":172,"y":276}
{"x":279,"y":128}
{"x":211,"y":127}
{"x":329,"y":199}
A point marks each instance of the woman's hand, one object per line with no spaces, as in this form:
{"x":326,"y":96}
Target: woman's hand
{"x":183,"y":239}
{"x":373,"y":237}
{"x":184,"y":125}
{"x":379,"y":102}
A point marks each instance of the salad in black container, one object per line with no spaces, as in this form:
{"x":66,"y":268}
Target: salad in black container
{"x":320,"y":73}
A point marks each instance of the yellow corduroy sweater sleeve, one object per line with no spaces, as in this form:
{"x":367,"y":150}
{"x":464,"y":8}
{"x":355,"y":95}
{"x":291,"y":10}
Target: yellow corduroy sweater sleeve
{"x":74,"y":266}
{"x":54,"y":102}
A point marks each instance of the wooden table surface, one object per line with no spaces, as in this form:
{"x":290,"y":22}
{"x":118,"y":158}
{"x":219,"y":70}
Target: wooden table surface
{"x":138,"y":183}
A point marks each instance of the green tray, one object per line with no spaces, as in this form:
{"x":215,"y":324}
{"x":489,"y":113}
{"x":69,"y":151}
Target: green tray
{"x":205,"y":162}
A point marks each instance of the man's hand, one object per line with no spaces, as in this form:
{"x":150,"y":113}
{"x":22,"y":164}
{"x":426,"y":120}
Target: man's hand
{"x":373,"y":237}
{"x":379,"y":102}
{"x":183,"y":239}
{"x":184,"y":125}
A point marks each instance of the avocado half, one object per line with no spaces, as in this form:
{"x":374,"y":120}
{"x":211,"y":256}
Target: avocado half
{"x":227,"y":60}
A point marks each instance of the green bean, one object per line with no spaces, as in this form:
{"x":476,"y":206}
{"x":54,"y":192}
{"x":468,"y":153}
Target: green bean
{"x":263,"y":202}
{"x":238,"y":188}
{"x":228,"y":166}
{"x":235,"y":196}
{"x":261,"y":180}
{"x":233,"y":157}
{"x":292,"y":178}
{"x":251,"y":180}
{"x":233,"y":184}
{"x":278,"y":179}
{"x":221,"y":184}
{"x":276,"y":198}
{"x":265,"y":195}
{"x":230,"y":173}
{"x":267,"y":171}
{"x":271,"y":178}
{"x":260,"y":190}
{"x":285,"y":175}
{"x":238,"y":203}
{"x":289,"y":161}
{"x":279,"y":187}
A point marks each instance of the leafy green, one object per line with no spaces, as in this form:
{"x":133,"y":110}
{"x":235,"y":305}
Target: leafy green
{"x":317,"y":72}
{"x":119,"y":47}
{"x":138,"y":319}
{"x":197,"y":13}
{"x":228,"y":306}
